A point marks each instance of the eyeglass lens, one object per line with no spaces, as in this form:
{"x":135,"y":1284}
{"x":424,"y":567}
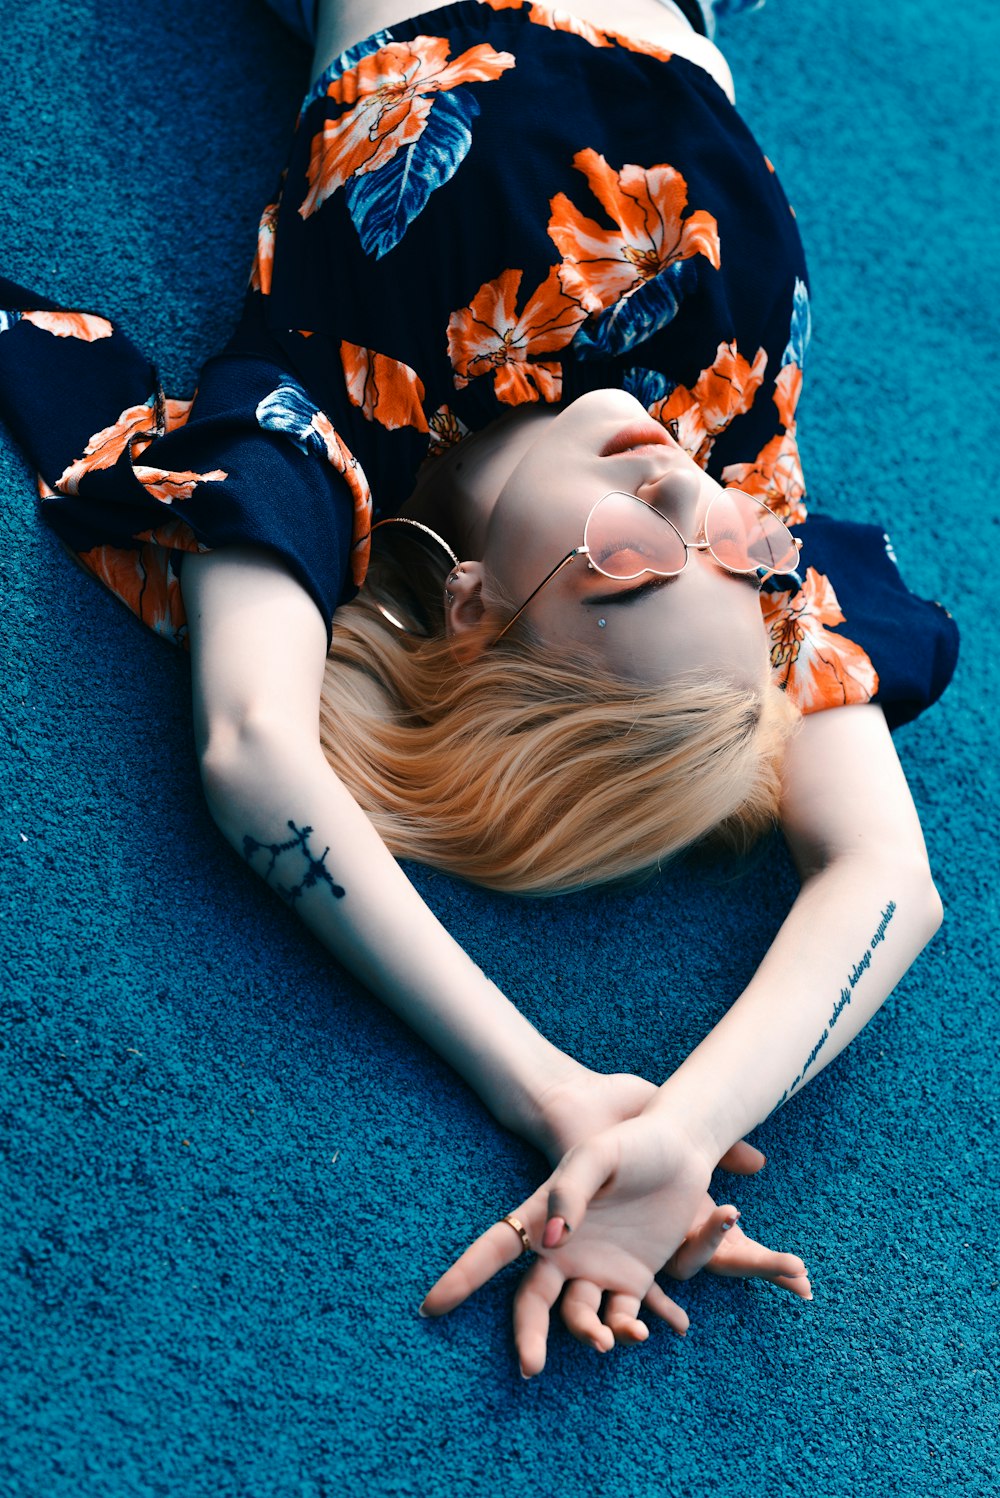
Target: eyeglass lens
{"x":626,"y":537}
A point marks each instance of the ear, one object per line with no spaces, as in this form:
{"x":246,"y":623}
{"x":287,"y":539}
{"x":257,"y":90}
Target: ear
{"x":465,"y":609}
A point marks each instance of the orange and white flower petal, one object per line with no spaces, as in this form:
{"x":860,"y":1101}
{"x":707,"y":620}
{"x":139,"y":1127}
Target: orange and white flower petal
{"x":144,"y":581}
{"x":775,"y":477}
{"x":386,"y":390}
{"x":176,"y":413}
{"x":728,"y":387}
{"x":551,"y":317}
{"x":344,"y":461}
{"x":787,"y":389}
{"x":106,"y":446}
{"x":680,"y":412}
{"x":518,"y":383}
{"x":263,"y":265}
{"x":479,"y":64}
{"x":563,"y":20}
{"x":817,"y":668}
{"x":479,"y":334}
{"x":83,"y":325}
{"x":167,"y":485}
{"x":488,"y":336}
{"x":595,"y":270}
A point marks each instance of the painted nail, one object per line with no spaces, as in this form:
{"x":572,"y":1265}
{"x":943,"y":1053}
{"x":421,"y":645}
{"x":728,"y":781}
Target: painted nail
{"x":731,"y":1223}
{"x":553,"y":1232}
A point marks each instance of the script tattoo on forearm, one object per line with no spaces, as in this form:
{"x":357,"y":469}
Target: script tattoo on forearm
{"x":846,"y":994}
{"x":315,"y":873}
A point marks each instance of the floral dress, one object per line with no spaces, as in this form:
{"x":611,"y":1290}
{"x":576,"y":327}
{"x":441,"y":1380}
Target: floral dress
{"x":483,"y":207}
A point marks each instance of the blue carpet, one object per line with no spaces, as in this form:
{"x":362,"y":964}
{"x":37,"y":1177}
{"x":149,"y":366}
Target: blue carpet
{"x":228,"y":1176}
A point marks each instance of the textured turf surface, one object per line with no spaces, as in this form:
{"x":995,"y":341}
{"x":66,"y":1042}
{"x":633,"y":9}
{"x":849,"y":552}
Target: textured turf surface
{"x":228,"y":1176}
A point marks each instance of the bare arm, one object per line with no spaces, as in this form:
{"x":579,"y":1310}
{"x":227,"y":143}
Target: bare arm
{"x":866,"y":909}
{"x":618,"y":1206}
{"x":258,"y":647}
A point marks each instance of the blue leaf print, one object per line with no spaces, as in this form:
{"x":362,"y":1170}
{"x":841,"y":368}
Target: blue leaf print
{"x":384,"y":203}
{"x":647,"y":385}
{"x":289,"y":410}
{"x":636,"y":317}
{"x":798,"y":340}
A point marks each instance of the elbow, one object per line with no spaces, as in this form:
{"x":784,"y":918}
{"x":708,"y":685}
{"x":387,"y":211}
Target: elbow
{"x":910,"y":885}
{"x":241,"y":755}
{"x":934,"y":905}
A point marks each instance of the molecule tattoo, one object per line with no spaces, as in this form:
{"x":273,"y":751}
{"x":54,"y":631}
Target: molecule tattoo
{"x":316,"y":871}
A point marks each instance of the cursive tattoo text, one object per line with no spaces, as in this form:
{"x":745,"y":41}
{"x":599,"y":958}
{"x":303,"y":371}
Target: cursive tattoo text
{"x":844,"y":998}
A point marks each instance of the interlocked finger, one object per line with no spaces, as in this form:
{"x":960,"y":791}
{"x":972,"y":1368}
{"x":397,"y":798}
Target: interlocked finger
{"x":536,"y":1295}
{"x":659,"y":1302}
{"x":621,"y":1316}
{"x":580,"y":1310}
{"x":702,"y":1243}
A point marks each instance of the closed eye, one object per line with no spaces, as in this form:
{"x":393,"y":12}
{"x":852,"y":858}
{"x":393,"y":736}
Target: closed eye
{"x":653,"y":585}
{"x":630,"y":595}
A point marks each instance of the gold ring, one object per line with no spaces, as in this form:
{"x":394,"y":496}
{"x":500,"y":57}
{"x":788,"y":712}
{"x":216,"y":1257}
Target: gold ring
{"x":520,"y":1230}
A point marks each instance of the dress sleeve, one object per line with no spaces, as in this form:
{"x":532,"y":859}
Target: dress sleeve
{"x":848,"y":629}
{"x":131,"y":480}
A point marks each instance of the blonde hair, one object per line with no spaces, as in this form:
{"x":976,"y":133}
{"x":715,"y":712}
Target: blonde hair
{"x":534,"y":770}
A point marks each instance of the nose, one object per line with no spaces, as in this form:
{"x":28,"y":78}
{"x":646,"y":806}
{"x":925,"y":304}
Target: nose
{"x":676,"y":491}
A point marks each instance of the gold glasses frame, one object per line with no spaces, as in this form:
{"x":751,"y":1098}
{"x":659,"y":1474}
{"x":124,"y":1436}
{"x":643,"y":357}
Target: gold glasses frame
{"x":583,"y":550}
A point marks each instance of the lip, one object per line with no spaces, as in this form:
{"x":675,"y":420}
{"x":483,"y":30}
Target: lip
{"x":638,"y":434}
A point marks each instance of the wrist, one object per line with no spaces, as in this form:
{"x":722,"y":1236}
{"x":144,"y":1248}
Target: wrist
{"x":538,"y":1098}
{"x":707,"y":1129}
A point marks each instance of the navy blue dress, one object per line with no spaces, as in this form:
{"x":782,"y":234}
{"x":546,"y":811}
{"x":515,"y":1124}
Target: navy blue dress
{"x":486,"y":206}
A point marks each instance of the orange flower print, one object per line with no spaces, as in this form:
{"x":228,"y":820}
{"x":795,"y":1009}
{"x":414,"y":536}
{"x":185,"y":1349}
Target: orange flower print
{"x":722,"y":392}
{"x":564,"y":20}
{"x":143,"y":578}
{"x":385,"y":389}
{"x":261,"y":270}
{"x":176,"y":413}
{"x":601,"y":265}
{"x":642,"y":258}
{"x":344,"y":461}
{"x":775,"y":476}
{"x":489,"y":336}
{"x":817,"y":669}
{"x":166,"y":485}
{"x":135,"y":429}
{"x":391,"y":93}
{"x":106,"y":446}
{"x":787,"y":389}
{"x":446,"y":430}
{"x":83,"y":325}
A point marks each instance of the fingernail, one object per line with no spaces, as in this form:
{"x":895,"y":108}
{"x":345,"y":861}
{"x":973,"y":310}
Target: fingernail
{"x":731,"y":1223}
{"x":422,"y":1314}
{"x":553,"y":1232}
{"x":525,"y":1376}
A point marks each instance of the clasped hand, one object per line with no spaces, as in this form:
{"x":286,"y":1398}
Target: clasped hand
{"x":622,"y":1205}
